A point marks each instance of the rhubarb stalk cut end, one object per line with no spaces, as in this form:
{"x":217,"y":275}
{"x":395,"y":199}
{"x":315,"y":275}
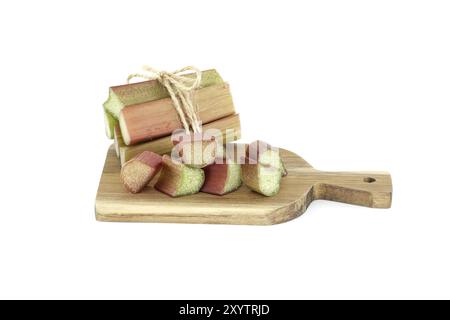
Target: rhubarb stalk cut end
{"x":258,"y":151}
{"x":262,"y":173}
{"x":110,"y":122}
{"x":139,"y":171}
{"x":234,"y":179}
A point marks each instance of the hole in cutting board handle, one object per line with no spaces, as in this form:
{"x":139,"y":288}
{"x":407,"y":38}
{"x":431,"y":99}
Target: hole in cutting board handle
{"x":369,"y":179}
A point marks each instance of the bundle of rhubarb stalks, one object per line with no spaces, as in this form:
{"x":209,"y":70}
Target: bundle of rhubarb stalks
{"x":141,"y":118}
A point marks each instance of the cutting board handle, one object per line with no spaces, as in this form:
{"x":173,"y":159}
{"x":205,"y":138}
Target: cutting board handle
{"x":369,"y":189}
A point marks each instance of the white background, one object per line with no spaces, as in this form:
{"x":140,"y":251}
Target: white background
{"x":349,"y":85}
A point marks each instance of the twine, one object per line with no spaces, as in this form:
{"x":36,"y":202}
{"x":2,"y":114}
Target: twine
{"x":180,"y":88}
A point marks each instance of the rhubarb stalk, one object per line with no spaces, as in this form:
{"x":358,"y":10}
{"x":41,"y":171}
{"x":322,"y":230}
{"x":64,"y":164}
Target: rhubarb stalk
{"x":177,"y":179}
{"x":129,"y":94}
{"x":222,"y":178}
{"x":263,"y":169}
{"x":154,"y":119}
{"x":137,"y":173}
{"x":229,"y":127}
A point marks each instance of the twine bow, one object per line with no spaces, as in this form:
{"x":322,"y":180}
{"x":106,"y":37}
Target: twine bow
{"x":180,"y":88}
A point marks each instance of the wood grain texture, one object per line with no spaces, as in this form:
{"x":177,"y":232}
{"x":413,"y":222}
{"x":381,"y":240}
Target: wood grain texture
{"x":299,"y":188}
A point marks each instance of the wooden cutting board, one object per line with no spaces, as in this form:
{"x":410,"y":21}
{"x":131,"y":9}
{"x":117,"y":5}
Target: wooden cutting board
{"x":299,"y":188}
